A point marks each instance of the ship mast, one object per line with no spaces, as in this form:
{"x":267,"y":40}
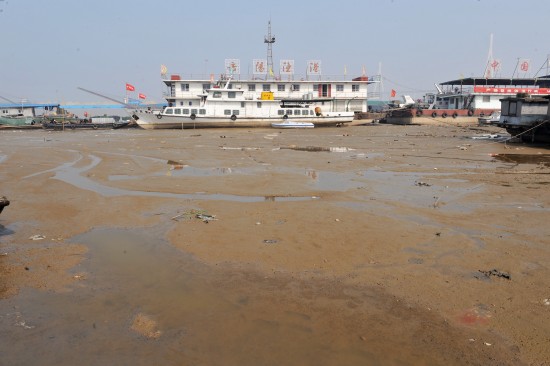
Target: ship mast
{"x":269,"y":39}
{"x":487,"y":72}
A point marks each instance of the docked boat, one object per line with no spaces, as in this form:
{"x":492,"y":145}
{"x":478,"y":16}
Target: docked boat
{"x":491,"y":119}
{"x":227,"y":106}
{"x":30,"y":115}
{"x":526,"y":117}
{"x":292,"y":124}
{"x":17,"y":121}
{"x":466,"y":100}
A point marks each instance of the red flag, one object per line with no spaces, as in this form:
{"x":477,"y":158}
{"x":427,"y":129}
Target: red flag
{"x":141,"y":96}
{"x":130,"y":87}
{"x":392,"y":93}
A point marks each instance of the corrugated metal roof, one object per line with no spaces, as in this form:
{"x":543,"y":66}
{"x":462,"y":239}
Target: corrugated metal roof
{"x":543,"y":81}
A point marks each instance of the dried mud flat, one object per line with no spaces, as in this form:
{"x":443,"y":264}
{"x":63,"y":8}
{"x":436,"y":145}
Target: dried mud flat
{"x":363,"y":245}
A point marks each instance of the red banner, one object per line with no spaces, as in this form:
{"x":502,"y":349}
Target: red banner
{"x":141,"y":96}
{"x":508,"y":90}
{"x":392,"y":94}
{"x":130,"y":87}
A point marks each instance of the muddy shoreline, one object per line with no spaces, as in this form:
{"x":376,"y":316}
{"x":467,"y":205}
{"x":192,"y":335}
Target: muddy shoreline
{"x":370,"y":244}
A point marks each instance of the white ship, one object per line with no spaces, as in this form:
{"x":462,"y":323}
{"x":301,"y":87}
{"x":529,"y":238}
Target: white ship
{"x":228,"y":106}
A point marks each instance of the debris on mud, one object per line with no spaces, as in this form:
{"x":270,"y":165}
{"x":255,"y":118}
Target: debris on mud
{"x":496,"y":273}
{"x":3,"y":203}
{"x":316,"y":148}
{"x":195,"y":214}
{"x":145,"y":326}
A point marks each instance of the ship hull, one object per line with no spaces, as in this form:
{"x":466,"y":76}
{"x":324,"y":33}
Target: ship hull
{"x":151,"y":121}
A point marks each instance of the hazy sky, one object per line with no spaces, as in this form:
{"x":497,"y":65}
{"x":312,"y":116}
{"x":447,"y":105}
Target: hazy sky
{"x":51,"y":47}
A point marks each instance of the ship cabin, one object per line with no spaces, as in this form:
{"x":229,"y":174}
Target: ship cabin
{"x":483,"y":93}
{"x":25,"y":109}
{"x":339,"y":95}
{"x":524,"y":109}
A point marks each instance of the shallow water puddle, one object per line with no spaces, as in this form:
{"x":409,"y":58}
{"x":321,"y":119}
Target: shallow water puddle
{"x":70,"y":174}
{"x":542,"y":159}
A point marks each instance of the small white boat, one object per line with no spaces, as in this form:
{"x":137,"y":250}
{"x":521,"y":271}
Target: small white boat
{"x":292,"y":124}
{"x":491,"y":119}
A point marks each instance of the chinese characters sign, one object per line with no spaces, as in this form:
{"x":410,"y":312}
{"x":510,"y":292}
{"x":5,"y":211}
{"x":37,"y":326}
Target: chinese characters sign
{"x":232,"y":66}
{"x":260,"y":67}
{"x":490,"y":89}
{"x":287,"y":67}
{"x":492,"y":68}
{"x":314,"y":67}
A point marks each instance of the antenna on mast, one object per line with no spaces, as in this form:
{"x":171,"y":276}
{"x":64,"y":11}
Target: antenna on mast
{"x":269,"y":39}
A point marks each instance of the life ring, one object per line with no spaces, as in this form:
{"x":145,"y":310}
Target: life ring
{"x":159,"y":116}
{"x":233,"y":117}
{"x":470,"y":112}
{"x":285,"y":117}
{"x":455,"y":115}
{"x":419,"y":112}
{"x":193,"y":116}
{"x":434,"y":114}
{"x":444,"y":114}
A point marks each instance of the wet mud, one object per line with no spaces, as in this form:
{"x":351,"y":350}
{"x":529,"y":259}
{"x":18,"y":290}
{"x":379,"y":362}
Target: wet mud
{"x":394,"y":245}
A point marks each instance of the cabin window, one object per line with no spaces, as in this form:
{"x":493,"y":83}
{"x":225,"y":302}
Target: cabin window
{"x":281,"y":112}
{"x":169,"y":111}
{"x":289,"y":112}
{"x":231,"y":94}
{"x":311,"y":113}
{"x":181,"y":103}
{"x":190,"y":103}
{"x":355,"y":87}
{"x":339,"y":87}
{"x":202,"y":111}
{"x":236,"y":112}
{"x":295,"y":87}
{"x":217,"y":94}
{"x":177,"y":111}
{"x":185,"y":111}
{"x":513,"y":108}
{"x":251,"y":87}
{"x":206,"y":86}
{"x":242,"y":104}
{"x":266,"y":87}
{"x":184,"y":87}
{"x":227,"y":112}
{"x":280,"y":87}
{"x":486,"y":98}
{"x":304,"y":113}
